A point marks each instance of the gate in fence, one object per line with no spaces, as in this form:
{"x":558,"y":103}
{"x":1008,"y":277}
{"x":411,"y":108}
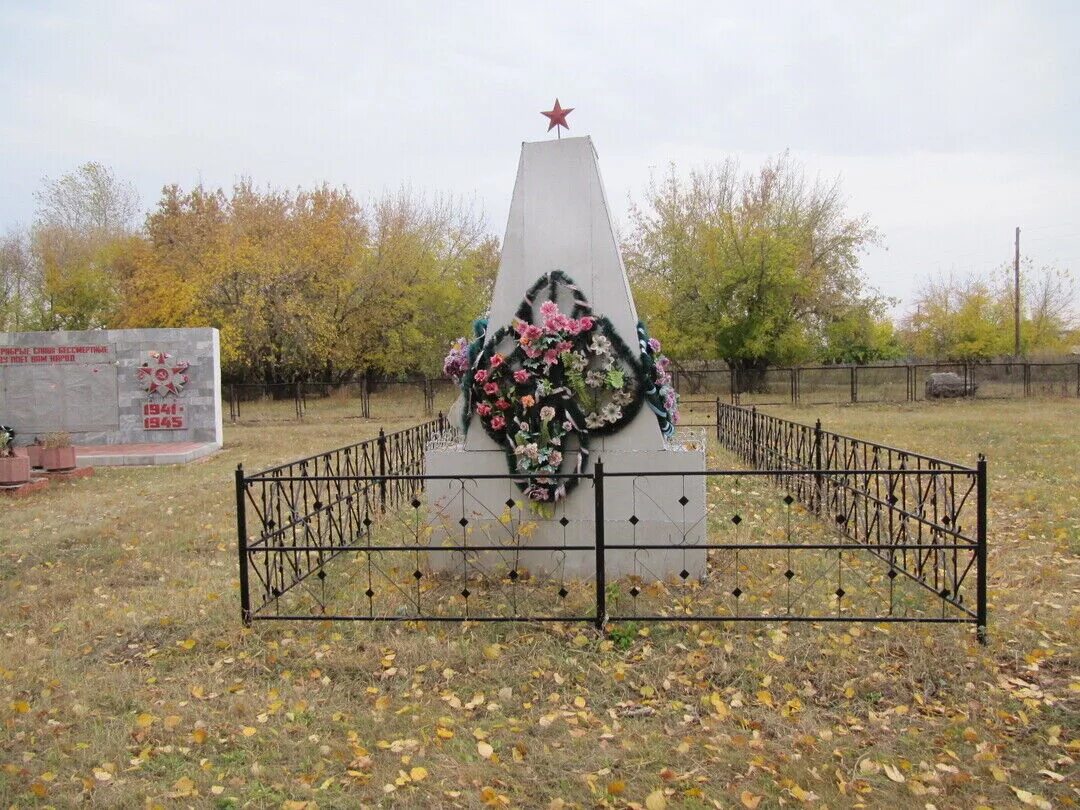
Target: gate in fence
{"x":821,"y":527}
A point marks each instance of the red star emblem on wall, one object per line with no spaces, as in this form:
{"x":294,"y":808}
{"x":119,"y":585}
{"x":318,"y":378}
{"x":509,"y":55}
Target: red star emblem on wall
{"x":557,"y":116}
{"x":163,"y":377}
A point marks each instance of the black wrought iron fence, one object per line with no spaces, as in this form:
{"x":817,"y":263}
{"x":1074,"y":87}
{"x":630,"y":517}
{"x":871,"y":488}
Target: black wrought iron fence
{"x":821,"y":527}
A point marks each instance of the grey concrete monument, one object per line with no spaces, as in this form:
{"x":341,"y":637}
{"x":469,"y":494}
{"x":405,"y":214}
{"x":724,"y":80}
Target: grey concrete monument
{"x":559,"y":221}
{"x":114,"y":387}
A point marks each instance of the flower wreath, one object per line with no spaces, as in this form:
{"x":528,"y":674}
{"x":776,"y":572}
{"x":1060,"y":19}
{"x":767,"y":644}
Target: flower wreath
{"x":550,"y":380}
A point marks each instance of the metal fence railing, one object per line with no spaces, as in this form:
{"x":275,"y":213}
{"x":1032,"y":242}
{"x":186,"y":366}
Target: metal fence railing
{"x":805,"y":385}
{"x":827,"y":385}
{"x":849,"y":530}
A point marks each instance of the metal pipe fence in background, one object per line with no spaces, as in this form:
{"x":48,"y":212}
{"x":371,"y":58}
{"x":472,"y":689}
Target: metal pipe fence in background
{"x":880,"y":383}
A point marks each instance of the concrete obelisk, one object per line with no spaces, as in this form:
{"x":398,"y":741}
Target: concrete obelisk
{"x":559,"y":220}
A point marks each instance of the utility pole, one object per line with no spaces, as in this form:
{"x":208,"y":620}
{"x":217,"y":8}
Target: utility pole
{"x":1016,"y":296}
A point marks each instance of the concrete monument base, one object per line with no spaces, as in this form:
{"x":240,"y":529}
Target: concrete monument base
{"x":638,"y":510}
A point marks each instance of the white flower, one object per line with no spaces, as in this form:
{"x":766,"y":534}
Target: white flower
{"x":600,"y":345}
{"x":593,"y":421}
{"x":595,"y":379}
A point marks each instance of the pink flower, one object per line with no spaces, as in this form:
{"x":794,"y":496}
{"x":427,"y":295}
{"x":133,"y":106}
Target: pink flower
{"x":480,"y":376}
{"x":547,"y":413}
{"x":551,"y":357}
{"x":491,"y":389}
{"x":549,"y":309}
{"x":654,"y":344}
{"x":521,"y":376}
{"x":586,"y":322}
{"x":497,"y":422}
{"x":497,"y":360}
{"x":555,"y":458}
{"x":532,"y":332}
{"x":483,"y":409}
{"x":528,"y":401}
{"x":502,"y":404}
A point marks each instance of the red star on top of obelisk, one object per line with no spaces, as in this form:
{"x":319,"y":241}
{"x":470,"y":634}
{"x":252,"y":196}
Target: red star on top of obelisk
{"x":557,"y":117}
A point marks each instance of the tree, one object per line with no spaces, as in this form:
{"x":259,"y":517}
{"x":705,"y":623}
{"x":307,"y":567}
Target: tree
{"x":20,"y":283}
{"x":972,"y":318}
{"x":80,"y":219}
{"x":752,"y":268}
{"x":312,"y":285}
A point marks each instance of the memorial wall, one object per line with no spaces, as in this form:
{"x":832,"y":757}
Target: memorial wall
{"x":120,"y":386}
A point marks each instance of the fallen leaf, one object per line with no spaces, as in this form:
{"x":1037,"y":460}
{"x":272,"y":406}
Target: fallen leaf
{"x":484,"y":749}
{"x":1031,"y":799}
{"x":894,"y":774}
{"x":656,"y":800}
{"x":750,"y":800}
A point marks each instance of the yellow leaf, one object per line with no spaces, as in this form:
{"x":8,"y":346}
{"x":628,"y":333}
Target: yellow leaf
{"x":20,"y":706}
{"x":492,"y":651}
{"x":998,"y":773}
{"x":39,"y":790}
{"x":199,"y":735}
{"x":172,"y":721}
{"x":188,"y":643}
{"x":616,"y":788}
{"x":802,"y":795}
{"x":579,"y":702}
{"x":894,"y":774}
{"x":418,"y":773}
{"x":484,"y":749}
{"x":1031,"y":799}
{"x":249,"y":731}
{"x":444,"y":733}
{"x":183,"y":787}
{"x":765,"y":697}
{"x":750,"y":800}
{"x":719,"y":706}
{"x":102,"y":775}
{"x":144,"y":720}
{"x":656,"y":800}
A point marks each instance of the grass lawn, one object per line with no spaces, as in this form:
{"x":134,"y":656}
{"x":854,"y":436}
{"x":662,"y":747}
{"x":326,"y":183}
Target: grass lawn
{"x":127,"y":680}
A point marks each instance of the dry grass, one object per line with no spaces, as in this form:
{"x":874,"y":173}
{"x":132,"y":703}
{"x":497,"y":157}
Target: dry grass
{"x":126,"y":678}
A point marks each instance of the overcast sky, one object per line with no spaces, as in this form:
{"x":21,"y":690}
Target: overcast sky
{"x":948,"y":123}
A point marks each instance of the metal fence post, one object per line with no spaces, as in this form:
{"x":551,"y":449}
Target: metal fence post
{"x":753,"y":437}
{"x":718,"y":419}
{"x":601,"y":568}
{"x":854,"y":386}
{"x":818,"y":480}
{"x":980,"y":611}
{"x":241,"y":539}
{"x":382,"y":470}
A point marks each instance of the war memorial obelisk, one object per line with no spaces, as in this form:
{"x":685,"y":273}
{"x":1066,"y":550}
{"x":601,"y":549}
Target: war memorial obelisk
{"x":560,"y":223}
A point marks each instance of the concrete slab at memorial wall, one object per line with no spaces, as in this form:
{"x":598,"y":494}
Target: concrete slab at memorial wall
{"x":113,"y":386}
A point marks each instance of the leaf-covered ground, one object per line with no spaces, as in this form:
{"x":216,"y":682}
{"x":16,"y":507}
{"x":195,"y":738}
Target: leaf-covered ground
{"x":126,"y":679}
